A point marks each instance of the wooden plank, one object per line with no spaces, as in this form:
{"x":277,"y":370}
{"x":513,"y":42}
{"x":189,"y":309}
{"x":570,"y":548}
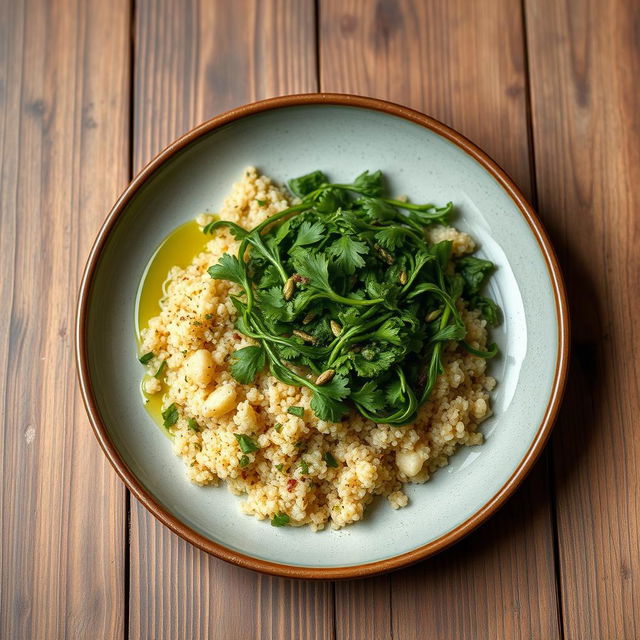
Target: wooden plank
{"x":464,"y":64}
{"x":585,"y":106}
{"x":193,"y":60}
{"x":64,"y":100}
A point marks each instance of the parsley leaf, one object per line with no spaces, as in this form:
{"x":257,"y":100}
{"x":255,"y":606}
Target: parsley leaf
{"x":369,"y":183}
{"x":296,"y":411}
{"x":315,"y":267}
{"x":474,"y":271}
{"x":245,"y":460}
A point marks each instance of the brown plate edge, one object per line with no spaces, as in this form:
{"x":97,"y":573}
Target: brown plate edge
{"x":388,"y":564}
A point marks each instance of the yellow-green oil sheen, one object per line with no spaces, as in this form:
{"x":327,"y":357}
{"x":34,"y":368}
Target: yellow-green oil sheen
{"x":177,"y":249}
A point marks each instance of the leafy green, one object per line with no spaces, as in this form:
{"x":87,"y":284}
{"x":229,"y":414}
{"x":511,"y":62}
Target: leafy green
{"x":247,"y":445}
{"x":170,"y":415}
{"x":343,"y":294}
{"x":306,"y":184}
{"x":280,"y":520}
{"x":245,"y":460}
{"x":161,"y":368}
{"x":247,"y":363}
{"x":330,"y":460}
{"x":144,"y":359}
{"x":193,"y":425}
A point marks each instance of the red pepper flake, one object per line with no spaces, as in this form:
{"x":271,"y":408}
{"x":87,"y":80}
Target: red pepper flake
{"x":291,"y":483}
{"x":236,"y":336}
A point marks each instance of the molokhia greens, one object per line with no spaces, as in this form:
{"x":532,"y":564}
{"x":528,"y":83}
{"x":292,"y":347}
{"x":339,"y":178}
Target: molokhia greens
{"x":344,"y":295}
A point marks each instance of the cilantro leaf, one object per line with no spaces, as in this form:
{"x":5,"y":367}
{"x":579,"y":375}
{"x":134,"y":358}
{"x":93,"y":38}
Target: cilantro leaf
{"x":474,"y":272}
{"x":391,"y":238}
{"x":228,"y":268}
{"x":378,"y":209}
{"x":304,"y":185}
{"x":327,"y":408}
{"x":248,"y":362}
{"x":348,"y":254}
{"x":315,"y":267}
{"x":369,"y":183}
{"x":369,"y":396}
{"x":309,"y":233}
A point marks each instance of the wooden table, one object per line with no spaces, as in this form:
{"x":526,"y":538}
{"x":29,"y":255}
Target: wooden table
{"x":91,"y":90}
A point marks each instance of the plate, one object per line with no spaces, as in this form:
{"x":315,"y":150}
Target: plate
{"x":342,"y":135}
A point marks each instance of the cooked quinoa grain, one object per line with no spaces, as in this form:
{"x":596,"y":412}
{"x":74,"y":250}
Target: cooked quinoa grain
{"x":286,"y":472}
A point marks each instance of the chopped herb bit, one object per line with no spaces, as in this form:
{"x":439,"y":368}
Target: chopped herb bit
{"x":279,"y":466}
{"x":303,"y":466}
{"x":247,"y":445}
{"x":278,"y":427}
{"x":193,"y":425}
{"x":244,"y":461}
{"x":330,"y":460}
{"x":296,"y":411}
{"x":261,"y":203}
{"x":146,"y":357}
{"x":161,"y":368}
{"x":280,"y":520}
{"x":208,"y":316}
{"x":170,"y":415}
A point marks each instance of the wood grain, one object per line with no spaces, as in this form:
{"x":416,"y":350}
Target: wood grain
{"x":586,"y":126}
{"x":464,"y":64}
{"x":194,"y":60}
{"x":64,"y":103}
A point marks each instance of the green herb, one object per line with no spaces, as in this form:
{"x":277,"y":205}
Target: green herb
{"x":330,"y":460}
{"x":346,"y":282}
{"x":279,"y":466}
{"x":208,"y":316}
{"x":247,"y":362}
{"x":193,"y":425}
{"x":261,"y":203}
{"x":247,"y":445}
{"x":244,"y":461}
{"x":303,"y":466}
{"x":280,"y":520}
{"x":170,"y":415}
{"x":146,"y":357}
{"x":278,"y":427}
{"x":161,"y":368}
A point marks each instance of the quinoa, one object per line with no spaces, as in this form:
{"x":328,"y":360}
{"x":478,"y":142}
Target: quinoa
{"x":289,"y":473}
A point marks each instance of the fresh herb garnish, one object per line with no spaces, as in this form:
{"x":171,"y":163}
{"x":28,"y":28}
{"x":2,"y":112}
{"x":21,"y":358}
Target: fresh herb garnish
{"x":247,"y":445}
{"x":280,"y":466}
{"x":261,"y":203}
{"x":345,"y":287}
{"x":161,"y":368}
{"x":278,"y":427}
{"x":244,"y":461}
{"x":303,"y":466}
{"x":146,"y":357}
{"x":280,"y":520}
{"x":330,"y":460}
{"x":193,"y":425}
{"x":170,"y":415}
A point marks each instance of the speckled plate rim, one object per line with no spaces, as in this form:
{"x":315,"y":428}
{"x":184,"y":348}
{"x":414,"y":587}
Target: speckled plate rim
{"x":388,"y":564}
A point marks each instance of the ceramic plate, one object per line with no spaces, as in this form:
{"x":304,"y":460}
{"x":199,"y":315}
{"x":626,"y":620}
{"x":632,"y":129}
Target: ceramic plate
{"x":343,"y":135}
